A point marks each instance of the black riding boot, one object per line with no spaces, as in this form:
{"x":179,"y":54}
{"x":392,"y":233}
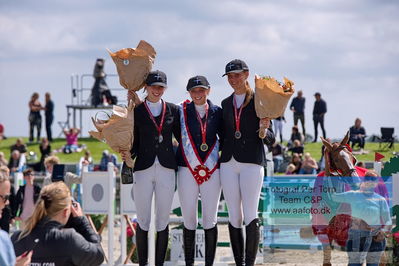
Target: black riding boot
{"x":142,"y":245}
{"x":189,"y":246}
{"x":161,"y":245}
{"x":251,"y":242}
{"x":237,"y":244}
{"x":211,"y":240}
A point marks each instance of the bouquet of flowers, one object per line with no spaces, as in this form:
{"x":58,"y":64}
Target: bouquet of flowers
{"x":117,"y":131}
{"x":134,"y":64}
{"x":271,"y":98}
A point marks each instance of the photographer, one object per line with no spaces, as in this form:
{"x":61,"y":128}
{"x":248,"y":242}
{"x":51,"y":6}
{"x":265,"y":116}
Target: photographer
{"x":100,"y":88}
{"x":51,"y":238}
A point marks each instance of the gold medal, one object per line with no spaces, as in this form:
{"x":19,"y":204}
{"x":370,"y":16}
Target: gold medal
{"x":204,"y":147}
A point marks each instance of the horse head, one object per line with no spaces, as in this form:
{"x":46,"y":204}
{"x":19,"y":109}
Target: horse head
{"x":339,"y":159}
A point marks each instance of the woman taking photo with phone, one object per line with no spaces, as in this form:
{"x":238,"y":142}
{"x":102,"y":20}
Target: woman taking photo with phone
{"x":242,"y":162}
{"x":198,"y":174}
{"x":154,"y":171}
{"x":46,"y":235}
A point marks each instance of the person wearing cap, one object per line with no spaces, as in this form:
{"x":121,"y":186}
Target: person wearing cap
{"x":242,"y":162}
{"x":198,"y":174}
{"x":319,"y":110}
{"x":155,"y":121}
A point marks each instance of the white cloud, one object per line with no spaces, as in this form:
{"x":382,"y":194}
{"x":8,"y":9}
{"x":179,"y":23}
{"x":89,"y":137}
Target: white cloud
{"x":348,"y":50}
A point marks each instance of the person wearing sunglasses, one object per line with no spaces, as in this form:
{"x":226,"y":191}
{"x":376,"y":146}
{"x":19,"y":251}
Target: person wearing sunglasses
{"x":7,"y":255}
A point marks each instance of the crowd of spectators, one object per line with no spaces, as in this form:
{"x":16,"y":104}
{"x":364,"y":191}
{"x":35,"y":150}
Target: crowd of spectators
{"x":20,"y":208}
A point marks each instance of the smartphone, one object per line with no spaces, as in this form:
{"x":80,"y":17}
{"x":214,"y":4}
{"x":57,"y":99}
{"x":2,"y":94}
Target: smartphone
{"x":58,"y":173}
{"x":35,"y":242}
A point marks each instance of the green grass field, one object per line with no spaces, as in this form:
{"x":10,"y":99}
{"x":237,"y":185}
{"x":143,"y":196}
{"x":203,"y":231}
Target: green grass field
{"x":96,"y":147}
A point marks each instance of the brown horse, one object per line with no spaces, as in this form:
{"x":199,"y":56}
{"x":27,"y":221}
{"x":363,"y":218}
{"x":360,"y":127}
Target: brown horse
{"x":340,"y":170}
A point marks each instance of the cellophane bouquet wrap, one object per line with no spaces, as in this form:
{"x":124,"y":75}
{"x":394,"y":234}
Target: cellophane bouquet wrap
{"x":117,"y":131}
{"x":271,"y":98}
{"x":134,"y":64}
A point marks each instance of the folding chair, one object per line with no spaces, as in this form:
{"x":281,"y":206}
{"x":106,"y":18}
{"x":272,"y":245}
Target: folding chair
{"x":387,"y":138}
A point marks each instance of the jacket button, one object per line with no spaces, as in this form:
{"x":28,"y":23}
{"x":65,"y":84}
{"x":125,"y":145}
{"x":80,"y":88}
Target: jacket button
{"x":156,"y":146}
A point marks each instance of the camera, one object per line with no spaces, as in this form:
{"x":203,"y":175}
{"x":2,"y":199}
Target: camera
{"x":99,"y":69}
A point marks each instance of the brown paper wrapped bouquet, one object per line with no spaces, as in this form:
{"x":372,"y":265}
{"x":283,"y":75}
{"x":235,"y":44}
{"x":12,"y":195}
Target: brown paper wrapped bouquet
{"x":134,"y":64}
{"x":117,"y":131}
{"x":271,"y":98}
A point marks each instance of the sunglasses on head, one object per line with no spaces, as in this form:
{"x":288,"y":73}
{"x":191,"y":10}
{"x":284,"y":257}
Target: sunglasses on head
{"x":5,"y":197}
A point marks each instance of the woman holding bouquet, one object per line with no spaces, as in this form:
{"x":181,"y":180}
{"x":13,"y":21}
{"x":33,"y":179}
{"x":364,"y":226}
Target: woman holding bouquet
{"x":155,"y":165}
{"x":198,"y":174}
{"x":242,"y":162}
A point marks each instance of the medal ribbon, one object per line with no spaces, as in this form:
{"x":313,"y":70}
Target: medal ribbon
{"x":159,"y":128}
{"x":237,"y":116}
{"x":203,"y":125}
{"x":190,"y":154}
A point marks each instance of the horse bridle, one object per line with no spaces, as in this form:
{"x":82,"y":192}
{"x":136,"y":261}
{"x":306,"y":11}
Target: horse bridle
{"x":333,"y":167}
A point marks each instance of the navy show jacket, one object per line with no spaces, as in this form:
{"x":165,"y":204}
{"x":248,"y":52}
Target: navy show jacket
{"x":214,"y":129}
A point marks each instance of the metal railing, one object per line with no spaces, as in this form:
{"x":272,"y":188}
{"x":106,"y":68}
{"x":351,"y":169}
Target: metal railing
{"x":81,"y":86}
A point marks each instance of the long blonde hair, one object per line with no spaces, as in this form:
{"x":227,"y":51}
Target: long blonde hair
{"x":4,"y":174}
{"x":54,"y":198}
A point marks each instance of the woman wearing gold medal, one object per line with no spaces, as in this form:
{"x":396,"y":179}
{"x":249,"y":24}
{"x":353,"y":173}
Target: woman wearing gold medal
{"x":242,"y":162}
{"x":154,"y":170}
{"x":198,"y":174}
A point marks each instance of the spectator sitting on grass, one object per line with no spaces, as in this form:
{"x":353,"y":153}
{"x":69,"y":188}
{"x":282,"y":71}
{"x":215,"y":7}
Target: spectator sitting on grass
{"x":309,"y":165}
{"x":69,"y":178}
{"x":17,"y":162}
{"x":297,"y":148}
{"x":357,"y":134}
{"x":290,"y":169}
{"x":71,"y":137}
{"x":45,"y":150}
{"x":19,"y":146}
{"x":3,"y":160}
{"x":296,"y":160}
{"x":295,"y":135}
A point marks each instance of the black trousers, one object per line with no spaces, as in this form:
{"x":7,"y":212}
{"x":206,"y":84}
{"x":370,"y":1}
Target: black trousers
{"x":35,"y":121}
{"x":49,"y":122}
{"x":300,"y":117}
{"x":358,"y":140}
{"x":318,"y":119}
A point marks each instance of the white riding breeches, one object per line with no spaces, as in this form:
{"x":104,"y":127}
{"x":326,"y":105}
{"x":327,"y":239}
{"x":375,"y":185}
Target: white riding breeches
{"x":278,"y":127}
{"x":190,"y":192}
{"x":160,"y":181}
{"x":241,"y":184}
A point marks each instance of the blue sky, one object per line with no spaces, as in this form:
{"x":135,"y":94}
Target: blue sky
{"x":347,"y":50}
